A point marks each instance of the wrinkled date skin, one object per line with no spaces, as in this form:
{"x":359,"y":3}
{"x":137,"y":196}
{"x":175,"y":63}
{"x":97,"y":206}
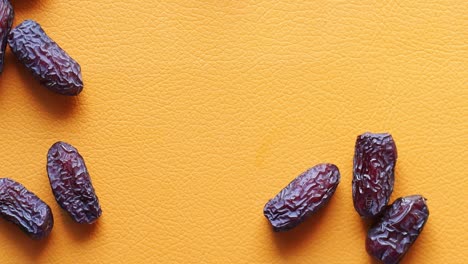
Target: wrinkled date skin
{"x":373,"y":173}
{"x":49,"y":63}
{"x":6,"y":20}
{"x":390,"y":238}
{"x":25,"y":209}
{"x":71,"y":183}
{"x":304,"y":196}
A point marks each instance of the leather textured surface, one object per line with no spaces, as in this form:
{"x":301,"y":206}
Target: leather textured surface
{"x":195,"y":113}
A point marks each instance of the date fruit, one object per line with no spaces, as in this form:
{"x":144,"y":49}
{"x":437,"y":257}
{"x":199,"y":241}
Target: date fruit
{"x":391,"y":237}
{"x":373,"y":173}
{"x":304,"y":196}
{"x":71,"y":184}
{"x":6,"y":20}
{"x":25,"y":209}
{"x":49,"y":63}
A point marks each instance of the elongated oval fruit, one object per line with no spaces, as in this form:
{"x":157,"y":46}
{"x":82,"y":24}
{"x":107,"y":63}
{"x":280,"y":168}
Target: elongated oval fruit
{"x":25,"y":209}
{"x":304,"y":196}
{"x":373,"y":173}
{"x":6,"y":20}
{"x":49,"y":63}
{"x":71,"y":184}
{"x":391,"y":237}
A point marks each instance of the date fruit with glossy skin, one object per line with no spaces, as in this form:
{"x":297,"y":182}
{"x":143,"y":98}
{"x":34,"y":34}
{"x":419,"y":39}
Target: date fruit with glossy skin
{"x":391,"y":237}
{"x":25,"y":209}
{"x":46,"y":60}
{"x":304,"y":196}
{"x":6,"y":20}
{"x":71,"y":183}
{"x":375,"y":157}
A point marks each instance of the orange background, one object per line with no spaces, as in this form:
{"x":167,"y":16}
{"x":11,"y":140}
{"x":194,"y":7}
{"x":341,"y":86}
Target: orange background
{"x":195,"y":113}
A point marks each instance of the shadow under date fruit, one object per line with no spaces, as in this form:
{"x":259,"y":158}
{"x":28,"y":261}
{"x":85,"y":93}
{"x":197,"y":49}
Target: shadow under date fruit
{"x":71,"y":183}
{"x":45,"y":59}
{"x":22,"y":207}
{"x":390,"y":238}
{"x":304,"y":196}
{"x":375,"y":157}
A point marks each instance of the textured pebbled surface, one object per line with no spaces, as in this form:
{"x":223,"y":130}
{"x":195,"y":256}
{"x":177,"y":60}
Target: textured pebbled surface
{"x":375,"y":157}
{"x":71,"y":183}
{"x":196,"y":112}
{"x":25,"y":209}
{"x":390,"y":238}
{"x":302,"y":197}
{"x":6,"y":19}
{"x":49,"y":63}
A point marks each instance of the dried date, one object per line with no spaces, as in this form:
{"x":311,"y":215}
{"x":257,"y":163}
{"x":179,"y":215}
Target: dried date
{"x":304,"y":196}
{"x":390,"y":238}
{"x":71,"y":183}
{"x":373,"y":173}
{"x":47,"y":61}
{"x":6,"y":20}
{"x":25,"y":209}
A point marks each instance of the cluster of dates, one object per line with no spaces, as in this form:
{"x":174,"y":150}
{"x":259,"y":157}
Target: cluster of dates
{"x":68,"y":176}
{"x":71,"y":186}
{"x":396,"y":227}
{"x":44,"y":58}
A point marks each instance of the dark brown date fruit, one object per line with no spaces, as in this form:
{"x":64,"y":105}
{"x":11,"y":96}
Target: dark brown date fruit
{"x":71,"y":184}
{"x":49,"y":63}
{"x":6,"y":20}
{"x":25,"y":209}
{"x":304,"y":196}
{"x":373,"y":173}
{"x":391,"y":237}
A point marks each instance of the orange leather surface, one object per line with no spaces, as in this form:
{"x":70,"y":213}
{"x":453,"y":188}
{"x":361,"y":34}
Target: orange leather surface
{"x":195,"y":113}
